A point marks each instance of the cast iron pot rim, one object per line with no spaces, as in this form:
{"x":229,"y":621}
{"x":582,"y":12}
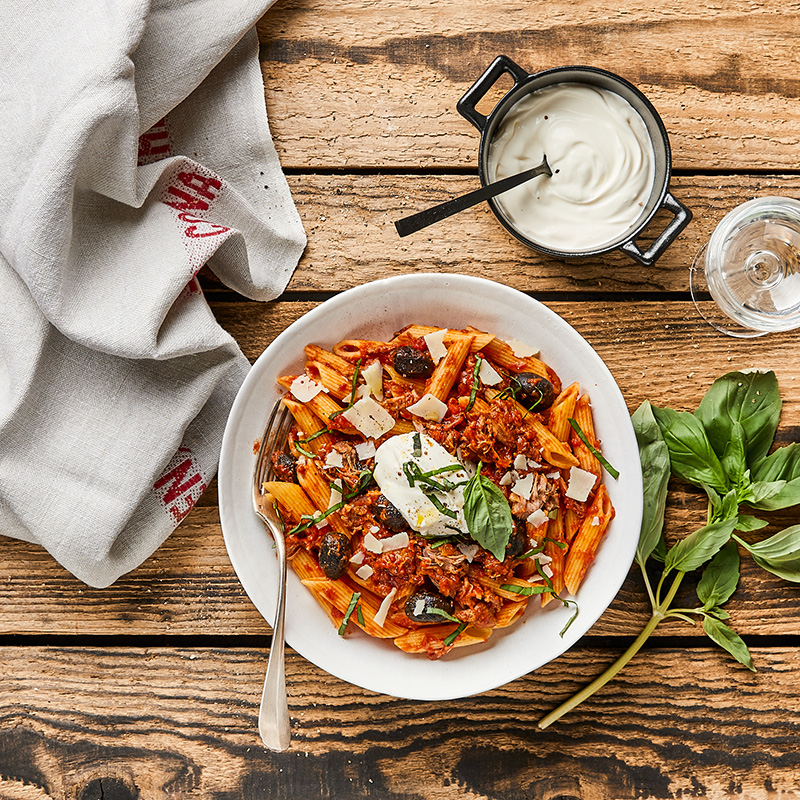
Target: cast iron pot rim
{"x":501,"y":106}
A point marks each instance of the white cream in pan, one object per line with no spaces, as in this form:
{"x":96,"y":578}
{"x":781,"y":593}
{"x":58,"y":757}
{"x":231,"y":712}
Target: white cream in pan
{"x":602,"y":160}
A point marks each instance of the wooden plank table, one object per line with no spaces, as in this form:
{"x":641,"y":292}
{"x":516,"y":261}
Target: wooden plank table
{"x":150,"y":689}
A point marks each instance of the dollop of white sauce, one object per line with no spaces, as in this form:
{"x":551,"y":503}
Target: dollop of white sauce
{"x":420,"y":513}
{"x":602,"y":160}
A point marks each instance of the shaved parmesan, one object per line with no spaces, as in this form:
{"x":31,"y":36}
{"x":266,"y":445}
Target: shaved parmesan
{"x":521,"y":350}
{"x":336,"y":495}
{"x":429,"y":407}
{"x":506,"y":479}
{"x":542,"y":558}
{"x":419,"y":607}
{"x":369,"y":418}
{"x":520,"y":462}
{"x":372,"y":544}
{"x":365,"y":572}
{"x":334,"y":459}
{"x":435,"y":342}
{"x":488,"y":374}
{"x":533,"y":464}
{"x":580,"y":484}
{"x":365,"y":450}
{"x":538,"y":518}
{"x":553,"y":475}
{"x":523,"y":487}
{"x":304,"y":389}
{"x":396,"y":542}
{"x":358,"y":558}
{"x":373,"y":375}
{"x":469,"y":551}
{"x":380,"y":614}
{"x":547,"y":571}
{"x":595,"y":521}
{"x":374,"y":529}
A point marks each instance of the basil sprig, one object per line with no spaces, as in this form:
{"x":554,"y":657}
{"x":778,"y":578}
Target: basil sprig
{"x":487,"y":514}
{"x":723,"y":448}
{"x":614,"y":473}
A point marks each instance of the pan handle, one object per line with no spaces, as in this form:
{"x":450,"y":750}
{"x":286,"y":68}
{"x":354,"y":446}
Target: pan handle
{"x":682,"y":217}
{"x":473,"y":95}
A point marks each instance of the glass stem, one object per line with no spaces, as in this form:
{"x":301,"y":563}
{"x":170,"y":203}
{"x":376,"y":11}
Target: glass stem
{"x":658,"y":614}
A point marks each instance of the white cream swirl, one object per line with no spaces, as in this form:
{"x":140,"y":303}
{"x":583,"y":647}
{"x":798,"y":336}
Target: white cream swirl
{"x":602,"y":160}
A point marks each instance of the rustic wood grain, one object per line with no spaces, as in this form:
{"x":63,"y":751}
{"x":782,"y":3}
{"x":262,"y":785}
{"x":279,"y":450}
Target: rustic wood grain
{"x":352,"y":239}
{"x":376,"y":84}
{"x":124,"y":723}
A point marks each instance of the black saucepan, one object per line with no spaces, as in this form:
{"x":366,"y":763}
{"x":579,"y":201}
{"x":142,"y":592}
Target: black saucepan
{"x":525,"y":84}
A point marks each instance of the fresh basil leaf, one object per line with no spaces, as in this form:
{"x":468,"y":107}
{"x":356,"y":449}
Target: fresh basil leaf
{"x":779,"y":554}
{"x":692,"y":552}
{"x":719,"y":613}
{"x":720,"y":578}
{"x":748,"y":523}
{"x":729,"y":640}
{"x":753,"y":400}
{"x":733,"y":457}
{"x":690,"y":453}
{"x":654,"y":456}
{"x":488,"y":515}
{"x":660,"y":551}
{"x":762,"y":495}
{"x":721,"y":507}
{"x":782,"y":465}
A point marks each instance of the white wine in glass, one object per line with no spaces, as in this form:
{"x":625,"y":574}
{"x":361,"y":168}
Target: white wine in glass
{"x":751,"y":268}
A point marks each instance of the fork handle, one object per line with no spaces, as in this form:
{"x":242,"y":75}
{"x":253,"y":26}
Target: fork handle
{"x":273,"y":716}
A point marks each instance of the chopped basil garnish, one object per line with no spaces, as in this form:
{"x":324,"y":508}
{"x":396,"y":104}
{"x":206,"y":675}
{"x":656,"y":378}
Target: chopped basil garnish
{"x":614,"y":473}
{"x":360,"y":615}
{"x":347,"y":614}
{"x":313,"y":436}
{"x":474,"y":391}
{"x":417,"y":451}
{"x":352,"y":400}
{"x":315,"y":520}
{"x":525,"y":591}
{"x":306,"y":453}
{"x":455,"y":634}
{"x":441,"y":613}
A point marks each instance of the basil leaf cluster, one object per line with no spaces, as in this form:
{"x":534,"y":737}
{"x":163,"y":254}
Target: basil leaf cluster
{"x":723,"y":447}
{"x":488,"y":515}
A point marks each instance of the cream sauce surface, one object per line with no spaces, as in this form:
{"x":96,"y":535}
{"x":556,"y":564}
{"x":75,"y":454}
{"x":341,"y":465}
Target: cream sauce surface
{"x":602,"y":159}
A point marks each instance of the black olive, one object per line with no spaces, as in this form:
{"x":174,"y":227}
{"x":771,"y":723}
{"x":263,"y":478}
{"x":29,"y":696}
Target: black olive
{"x":334,"y":551}
{"x":412,"y":363}
{"x":285,"y":466}
{"x":518,"y":540}
{"x":429,"y":600}
{"x":388,"y":515}
{"x":533,"y":391}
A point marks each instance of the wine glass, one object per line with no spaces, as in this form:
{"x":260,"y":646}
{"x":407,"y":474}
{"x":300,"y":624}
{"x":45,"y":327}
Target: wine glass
{"x":751,"y":268}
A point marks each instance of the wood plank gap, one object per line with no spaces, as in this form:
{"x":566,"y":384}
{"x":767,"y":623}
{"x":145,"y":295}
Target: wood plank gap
{"x":319,"y":296}
{"x":250,"y":642}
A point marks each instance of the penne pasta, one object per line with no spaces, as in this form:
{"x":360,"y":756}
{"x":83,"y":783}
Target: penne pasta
{"x":584,"y":545}
{"x":374,"y":564}
{"x":447,"y":370}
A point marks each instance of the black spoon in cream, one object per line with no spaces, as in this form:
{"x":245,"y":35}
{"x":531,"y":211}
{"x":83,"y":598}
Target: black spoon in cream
{"x":422,"y":219}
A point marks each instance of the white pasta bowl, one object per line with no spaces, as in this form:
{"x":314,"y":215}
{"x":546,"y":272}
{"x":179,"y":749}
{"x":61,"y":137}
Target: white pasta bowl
{"x":375,"y":311}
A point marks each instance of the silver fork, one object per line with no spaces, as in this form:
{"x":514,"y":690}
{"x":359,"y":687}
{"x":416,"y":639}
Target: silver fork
{"x":273,"y":716}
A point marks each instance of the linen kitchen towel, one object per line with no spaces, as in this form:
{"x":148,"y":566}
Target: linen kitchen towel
{"x":135,"y":149}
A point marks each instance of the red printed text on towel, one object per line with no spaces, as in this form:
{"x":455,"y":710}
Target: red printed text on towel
{"x":180,"y":485}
